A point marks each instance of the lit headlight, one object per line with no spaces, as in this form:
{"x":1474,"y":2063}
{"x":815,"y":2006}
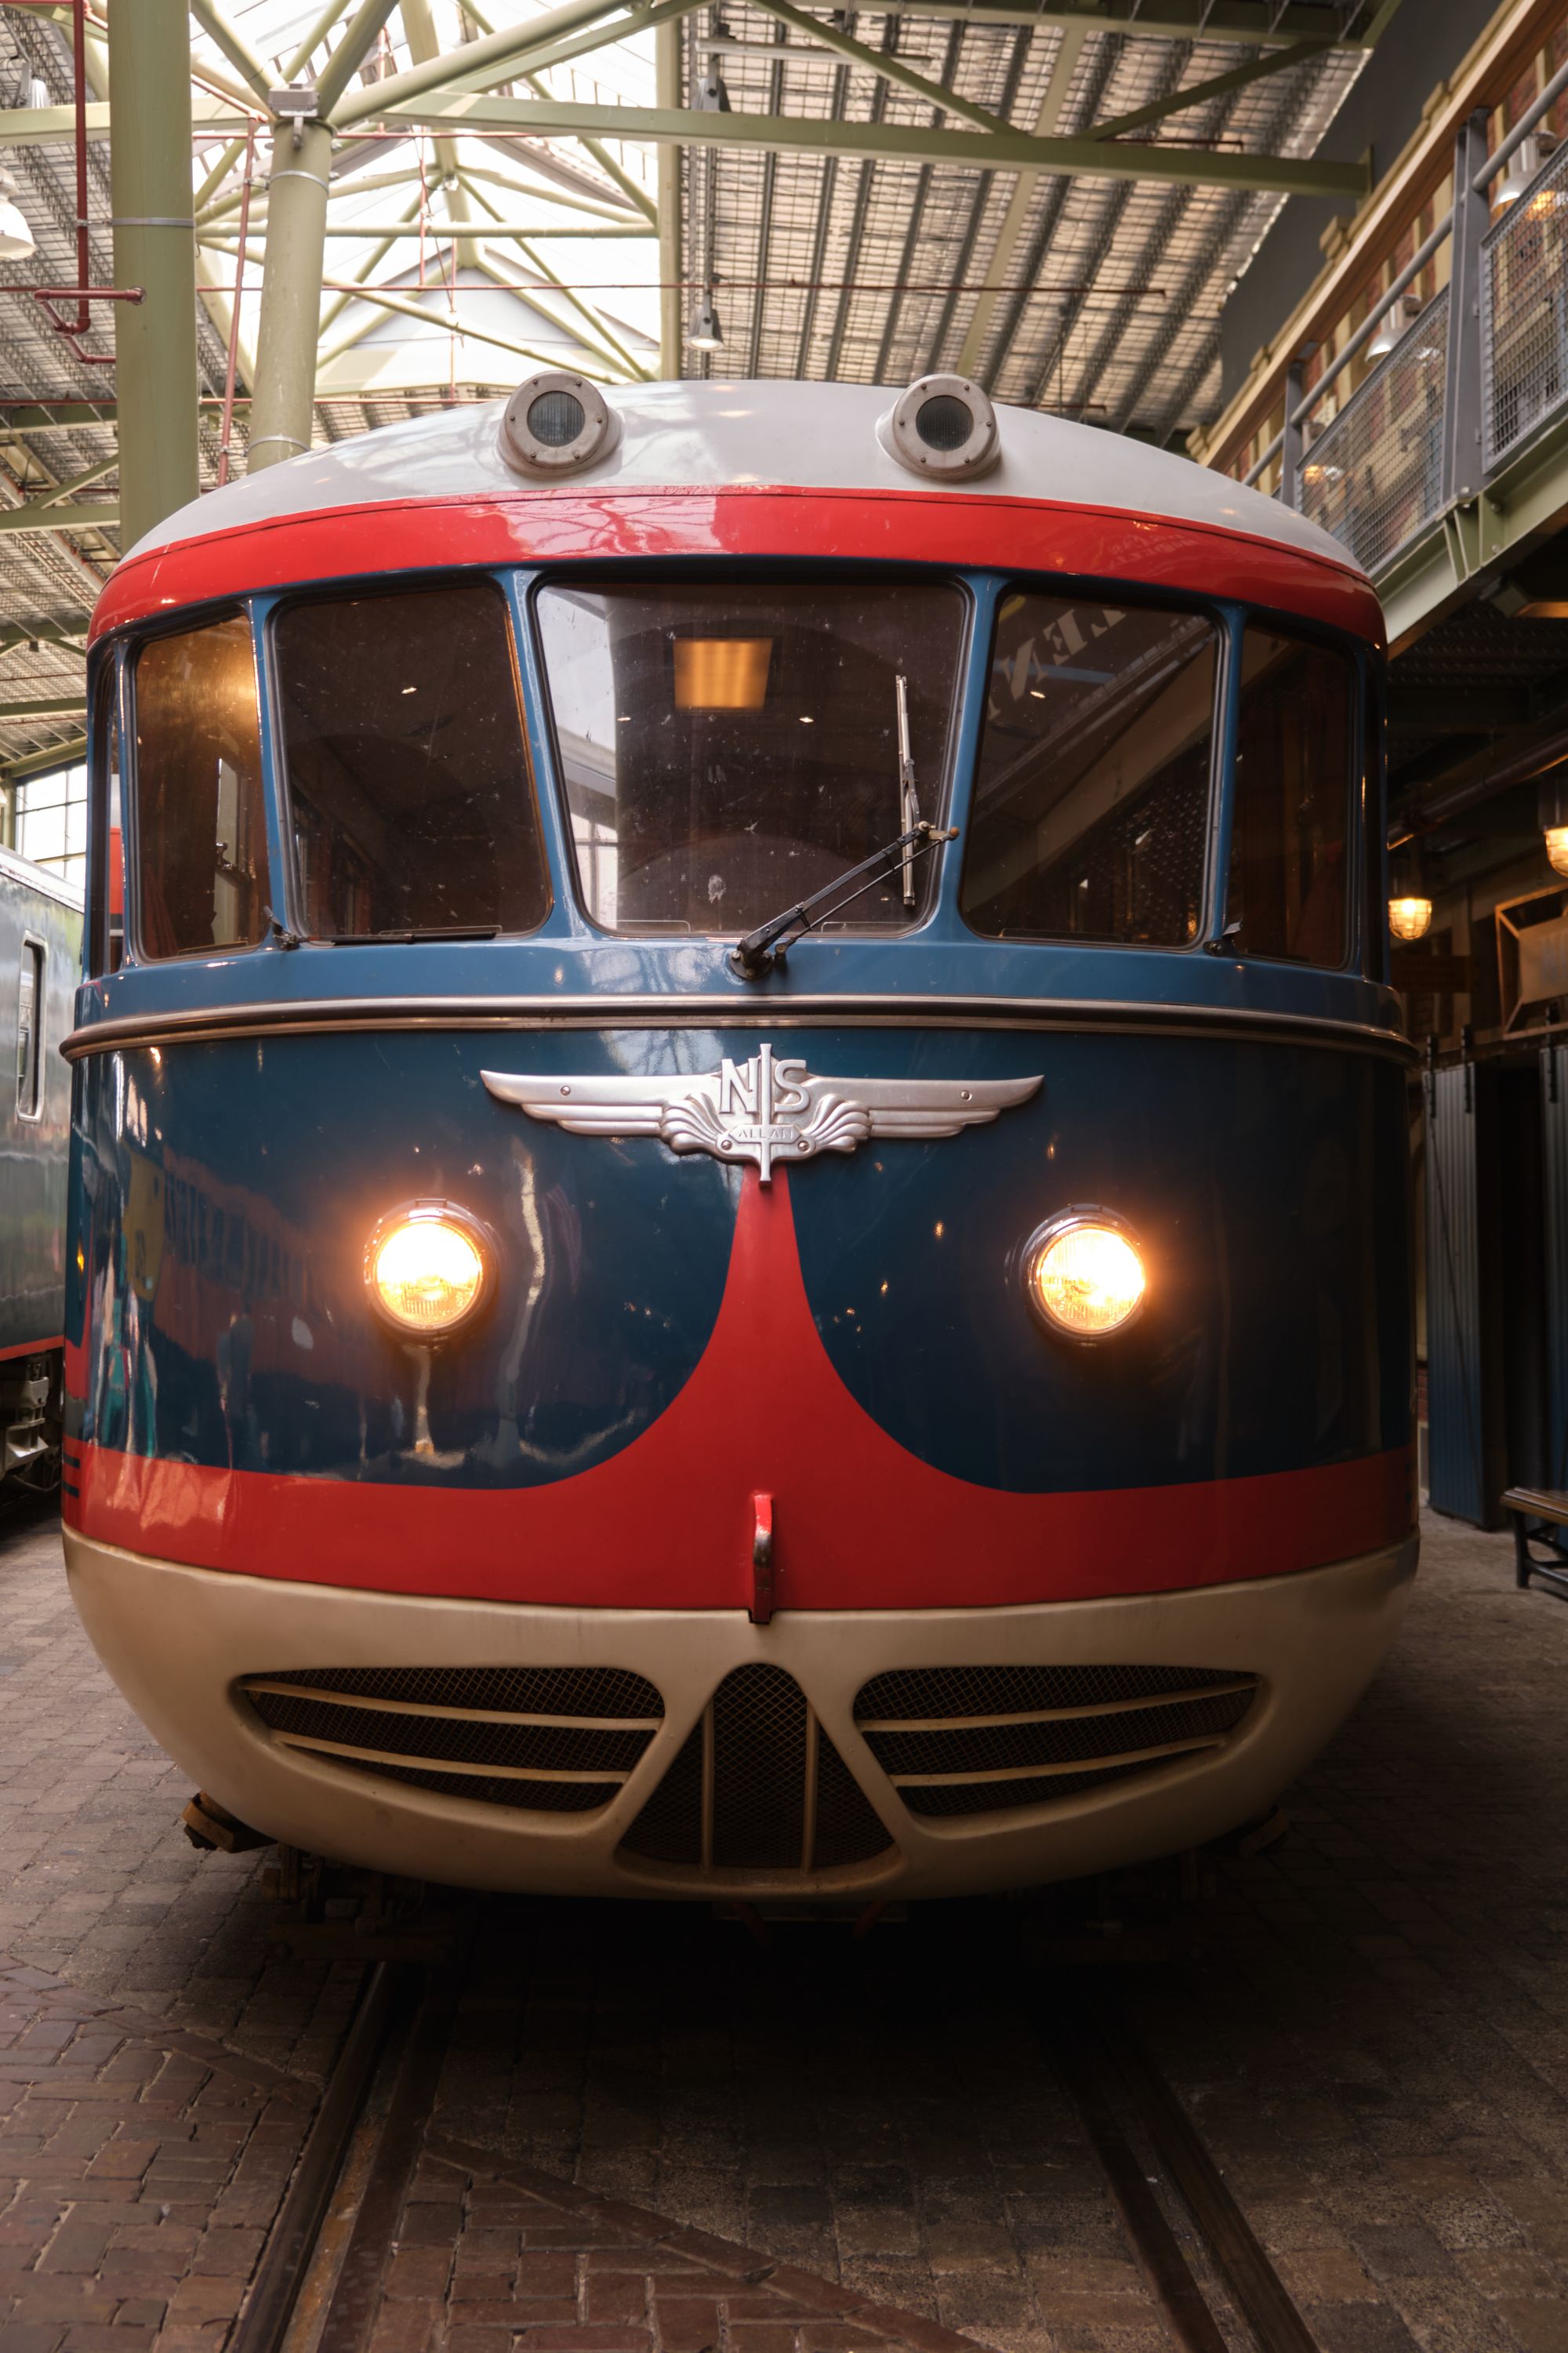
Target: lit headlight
{"x":1084,"y":1274}
{"x":427,"y":1269}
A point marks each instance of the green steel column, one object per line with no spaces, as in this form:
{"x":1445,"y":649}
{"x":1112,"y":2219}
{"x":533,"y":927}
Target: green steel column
{"x":155,"y":249}
{"x":671,"y":310}
{"x":290,"y":295}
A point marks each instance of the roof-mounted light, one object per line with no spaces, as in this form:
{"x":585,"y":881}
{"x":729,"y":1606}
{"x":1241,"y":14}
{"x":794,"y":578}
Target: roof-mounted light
{"x":943,"y":427}
{"x":557,"y":423}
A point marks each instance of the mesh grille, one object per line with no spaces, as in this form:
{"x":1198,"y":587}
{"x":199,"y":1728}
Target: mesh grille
{"x":766,"y":1745}
{"x":1524,"y":355}
{"x":1183,"y":1705}
{"x":414,"y":1748}
{"x":539,"y":1691}
{"x":1373,"y":476}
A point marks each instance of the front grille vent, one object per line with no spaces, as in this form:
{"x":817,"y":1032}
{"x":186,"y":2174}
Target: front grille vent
{"x":558,"y":1740}
{"x":758,"y":1786}
{"x":973,"y":1740}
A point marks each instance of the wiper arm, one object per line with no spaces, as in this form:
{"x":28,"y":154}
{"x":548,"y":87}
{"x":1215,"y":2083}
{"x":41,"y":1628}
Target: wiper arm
{"x":761,"y":950}
{"x":909,"y":798}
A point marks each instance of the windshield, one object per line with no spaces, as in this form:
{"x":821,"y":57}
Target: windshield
{"x":729,"y":747}
{"x":409,"y":791}
{"x":1091,"y":792}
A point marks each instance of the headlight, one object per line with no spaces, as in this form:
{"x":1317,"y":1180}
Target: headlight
{"x":427,"y":1268}
{"x":1084,"y":1274}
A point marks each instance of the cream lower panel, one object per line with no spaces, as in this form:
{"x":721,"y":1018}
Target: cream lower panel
{"x":174,"y":1639}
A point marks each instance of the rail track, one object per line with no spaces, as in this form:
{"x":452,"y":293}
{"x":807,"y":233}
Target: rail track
{"x":317,"y":2288}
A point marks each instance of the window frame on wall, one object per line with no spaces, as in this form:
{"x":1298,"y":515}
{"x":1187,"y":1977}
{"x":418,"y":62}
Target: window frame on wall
{"x":362,"y":588}
{"x":59,"y":864}
{"x":189,"y":621}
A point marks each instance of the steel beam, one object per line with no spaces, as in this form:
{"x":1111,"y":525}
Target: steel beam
{"x":498,"y":53}
{"x":1197,"y":93}
{"x":360,"y":36}
{"x":155,"y":249}
{"x":40,"y":706}
{"x":666,"y":89}
{"x":1063,"y":65}
{"x":419,"y":30}
{"x":881,"y":63}
{"x":40,"y":516}
{"x":234,"y":45}
{"x":54,"y":755}
{"x":1004,"y":150}
{"x":289,"y":328}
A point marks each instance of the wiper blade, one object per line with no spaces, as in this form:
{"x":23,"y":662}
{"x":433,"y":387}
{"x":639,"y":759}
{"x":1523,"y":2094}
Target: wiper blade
{"x":761,"y":950}
{"x":399,"y":937}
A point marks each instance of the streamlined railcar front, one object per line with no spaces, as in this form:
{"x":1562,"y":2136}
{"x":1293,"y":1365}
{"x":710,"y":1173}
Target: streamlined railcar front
{"x":738,"y":1204}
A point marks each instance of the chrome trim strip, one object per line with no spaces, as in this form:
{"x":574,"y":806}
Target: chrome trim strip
{"x":314,"y":1747}
{"x":208,"y":1023}
{"x":1061,"y":1766}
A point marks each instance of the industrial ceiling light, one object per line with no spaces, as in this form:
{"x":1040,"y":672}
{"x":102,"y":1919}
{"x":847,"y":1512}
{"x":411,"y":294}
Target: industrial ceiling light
{"x":1552,"y":809}
{"x":15,"y":237}
{"x":705,"y":333}
{"x":1409,"y":907}
{"x":712,"y":93}
{"x":1528,"y":158}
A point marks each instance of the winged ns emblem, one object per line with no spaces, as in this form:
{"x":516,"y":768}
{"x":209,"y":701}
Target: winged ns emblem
{"x":769,"y":1109}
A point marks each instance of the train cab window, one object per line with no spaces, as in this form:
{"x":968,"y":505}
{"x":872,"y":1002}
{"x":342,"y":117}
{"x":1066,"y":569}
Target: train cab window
{"x":730,"y":747}
{"x":410,"y":795}
{"x":1092,"y":789}
{"x":30,"y":1031}
{"x":106,"y":925}
{"x":201,"y":828}
{"x":1290,"y":825}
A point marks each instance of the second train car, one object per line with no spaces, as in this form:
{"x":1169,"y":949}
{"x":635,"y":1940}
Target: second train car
{"x":738,"y":1207}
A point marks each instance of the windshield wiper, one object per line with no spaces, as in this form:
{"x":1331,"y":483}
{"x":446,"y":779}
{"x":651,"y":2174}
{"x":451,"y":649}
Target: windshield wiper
{"x":761,"y":950}
{"x":401,"y":938}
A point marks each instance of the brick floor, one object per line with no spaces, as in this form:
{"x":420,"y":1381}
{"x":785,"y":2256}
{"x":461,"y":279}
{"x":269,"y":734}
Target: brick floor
{"x":1373,"y":2037}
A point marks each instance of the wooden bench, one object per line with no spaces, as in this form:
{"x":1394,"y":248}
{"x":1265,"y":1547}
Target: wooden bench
{"x":1528,"y":1507}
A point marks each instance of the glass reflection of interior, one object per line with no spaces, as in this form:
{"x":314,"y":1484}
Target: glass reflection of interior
{"x":730,"y":747}
{"x":409,"y":788}
{"x":201,"y":826}
{"x":1091,"y":792}
{"x":1292,"y":813}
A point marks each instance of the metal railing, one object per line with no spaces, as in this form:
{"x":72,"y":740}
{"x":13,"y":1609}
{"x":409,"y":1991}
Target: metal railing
{"x":1373,"y":476}
{"x":1480,"y":371}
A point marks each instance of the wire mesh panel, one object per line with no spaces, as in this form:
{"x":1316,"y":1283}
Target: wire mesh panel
{"x":1373,"y":476}
{"x":758,"y":1786}
{"x":962,"y":1740}
{"x":480,"y":1733}
{"x":1524,"y":313}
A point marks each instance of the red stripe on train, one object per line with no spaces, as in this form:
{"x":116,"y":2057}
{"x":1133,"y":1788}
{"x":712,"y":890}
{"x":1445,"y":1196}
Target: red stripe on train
{"x":860,"y":1521}
{"x":889,"y":526}
{"x":32,"y":1348}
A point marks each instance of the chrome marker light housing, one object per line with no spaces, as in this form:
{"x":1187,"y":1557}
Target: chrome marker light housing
{"x":944,"y":427}
{"x":1084,"y":1274}
{"x":557,"y":423}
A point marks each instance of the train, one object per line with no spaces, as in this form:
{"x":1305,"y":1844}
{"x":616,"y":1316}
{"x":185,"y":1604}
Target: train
{"x":739,"y":1216}
{"x":40,"y":954}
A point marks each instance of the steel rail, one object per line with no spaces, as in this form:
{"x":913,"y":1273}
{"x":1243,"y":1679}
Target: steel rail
{"x":264,"y":2322}
{"x":1105,"y":2066}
